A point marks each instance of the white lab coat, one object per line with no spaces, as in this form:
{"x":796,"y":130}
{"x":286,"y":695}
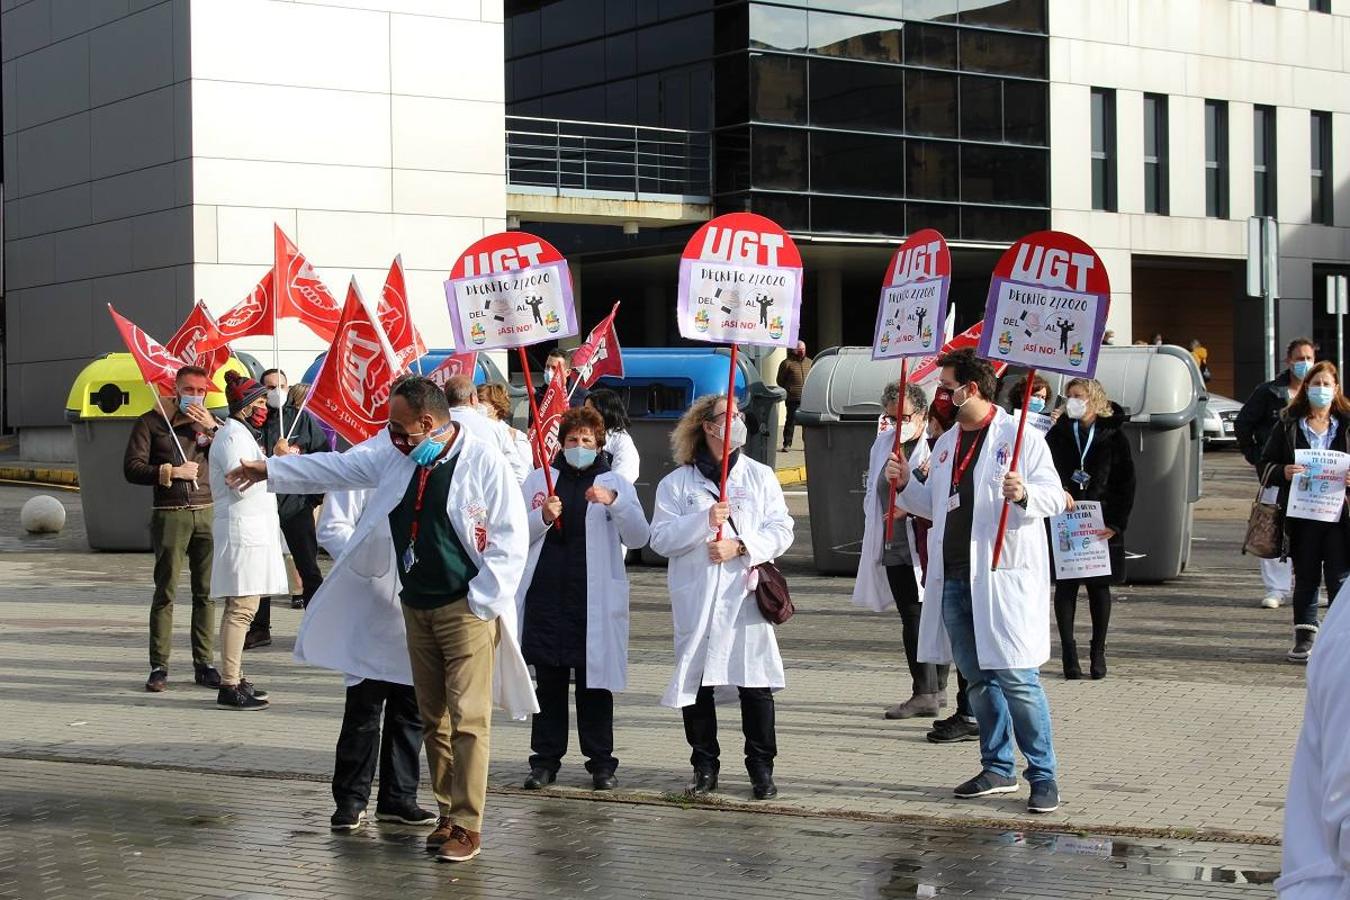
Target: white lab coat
{"x":626,"y":460}
{"x":495,"y":434}
{"x":484,"y":499}
{"x":1011,"y":607}
{"x":524,"y":450}
{"x":872,"y":589}
{"x":608,"y":528}
{"x":246,"y":559}
{"x":1316,"y":861}
{"x":721,"y":639}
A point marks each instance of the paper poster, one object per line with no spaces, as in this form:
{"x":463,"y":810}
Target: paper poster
{"x":1074,"y":542}
{"x":1319,"y":492}
{"x":740,"y":283}
{"x":913,"y":305}
{"x":1047,"y":305}
{"x":1040,"y":421}
{"x":510,"y":289}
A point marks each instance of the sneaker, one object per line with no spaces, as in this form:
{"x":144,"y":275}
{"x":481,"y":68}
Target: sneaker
{"x":256,"y":639}
{"x":231,"y":697}
{"x":985,"y":784}
{"x":539,"y":778}
{"x":440,"y":834}
{"x":347,"y":820}
{"x":953,"y":729}
{"x":206,"y":676}
{"x":411,"y":814}
{"x":462,"y":846}
{"x":158,"y":680}
{"x":918,"y":705}
{"x":1303,"y":643}
{"x":1044,"y":796}
{"x":247,"y":687}
{"x":1271,"y":601}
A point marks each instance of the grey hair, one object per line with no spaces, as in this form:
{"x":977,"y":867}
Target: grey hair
{"x":917,"y":398}
{"x":460,"y":391}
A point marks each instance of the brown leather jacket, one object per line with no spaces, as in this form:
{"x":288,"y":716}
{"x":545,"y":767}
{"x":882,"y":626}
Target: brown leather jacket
{"x":792,"y":374}
{"x":151,"y":454}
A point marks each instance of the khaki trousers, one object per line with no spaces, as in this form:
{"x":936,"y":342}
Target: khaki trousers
{"x":451,"y":651}
{"x":234,"y":622}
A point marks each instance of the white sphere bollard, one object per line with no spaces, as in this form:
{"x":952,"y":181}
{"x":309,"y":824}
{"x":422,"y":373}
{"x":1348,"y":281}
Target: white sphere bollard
{"x":43,"y":514}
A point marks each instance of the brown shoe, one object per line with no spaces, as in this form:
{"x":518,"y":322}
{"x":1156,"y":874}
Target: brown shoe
{"x":462,"y":846}
{"x":444,"y":829}
{"x":918,"y":705}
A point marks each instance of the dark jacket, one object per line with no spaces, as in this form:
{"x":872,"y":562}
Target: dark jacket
{"x":1279,"y":452}
{"x":791,"y":377}
{"x":1110,"y":468}
{"x":309,"y":437}
{"x":579,"y":395}
{"x":150,"y":450}
{"x":1260,"y":415}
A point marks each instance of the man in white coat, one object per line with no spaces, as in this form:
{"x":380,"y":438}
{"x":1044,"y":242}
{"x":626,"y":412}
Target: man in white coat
{"x":994,"y":624}
{"x":457,"y":521}
{"x":1317,"y":812}
{"x":463,"y":399}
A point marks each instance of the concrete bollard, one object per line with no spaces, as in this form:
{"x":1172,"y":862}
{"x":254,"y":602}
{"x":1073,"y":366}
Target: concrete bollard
{"x":43,"y":514}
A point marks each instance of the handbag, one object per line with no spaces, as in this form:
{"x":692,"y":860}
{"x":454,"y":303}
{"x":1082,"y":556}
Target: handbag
{"x":771,"y":589}
{"x":1265,"y":526}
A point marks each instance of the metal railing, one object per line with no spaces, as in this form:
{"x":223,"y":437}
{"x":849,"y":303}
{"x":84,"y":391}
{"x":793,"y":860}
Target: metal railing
{"x":598,"y":158}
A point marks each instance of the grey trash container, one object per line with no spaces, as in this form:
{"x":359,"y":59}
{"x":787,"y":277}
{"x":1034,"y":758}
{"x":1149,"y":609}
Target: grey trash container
{"x":841,"y":402}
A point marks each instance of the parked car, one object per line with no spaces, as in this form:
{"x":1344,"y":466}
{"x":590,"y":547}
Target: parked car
{"x":1220,"y":414}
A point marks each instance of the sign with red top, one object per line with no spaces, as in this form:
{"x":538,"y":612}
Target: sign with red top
{"x":913,"y":307}
{"x":510,"y":289}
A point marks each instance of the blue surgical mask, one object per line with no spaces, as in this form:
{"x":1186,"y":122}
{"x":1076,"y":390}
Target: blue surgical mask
{"x":425,"y":453}
{"x":1301,"y":368}
{"x":1320,"y":396}
{"x":185,"y":402}
{"x":580,"y":457}
{"x":1037,"y":404}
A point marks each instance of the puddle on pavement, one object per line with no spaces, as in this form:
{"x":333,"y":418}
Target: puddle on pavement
{"x":1164,"y":862}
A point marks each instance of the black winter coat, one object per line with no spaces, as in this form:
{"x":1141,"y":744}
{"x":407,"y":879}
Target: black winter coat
{"x":1260,"y":416}
{"x":1279,"y":452}
{"x":1110,"y":467}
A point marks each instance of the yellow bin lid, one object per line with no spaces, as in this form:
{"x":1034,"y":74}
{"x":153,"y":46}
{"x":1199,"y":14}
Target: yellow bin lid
{"x":111,"y":387}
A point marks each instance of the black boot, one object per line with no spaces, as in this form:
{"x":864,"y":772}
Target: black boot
{"x":1098,"y":664}
{"x":704,"y":783}
{"x":1072,"y":670}
{"x":761,"y":780}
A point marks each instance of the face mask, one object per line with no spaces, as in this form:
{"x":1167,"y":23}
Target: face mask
{"x":738,"y":432}
{"x":425,"y":453}
{"x":258,"y":416}
{"x":1321,"y":396}
{"x":942,"y":410}
{"x":908,"y":432}
{"x":276,"y":397}
{"x":579,"y":457}
{"x":1076,"y":407}
{"x":1037,"y":404}
{"x":964,"y":400}
{"x":1301,"y":368}
{"x":185,"y":402}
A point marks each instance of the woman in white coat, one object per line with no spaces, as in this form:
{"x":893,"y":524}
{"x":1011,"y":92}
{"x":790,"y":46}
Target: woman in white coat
{"x":574,"y":598}
{"x":247,"y":563}
{"x":890,"y":573}
{"x":721,"y":639}
{"x":624,"y":457}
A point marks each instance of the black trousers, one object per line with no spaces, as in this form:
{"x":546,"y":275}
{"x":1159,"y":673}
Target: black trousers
{"x":1317,"y":550}
{"x":595,"y":722}
{"x":360,"y":743}
{"x":1066,"y":604}
{"x":757,"y":723}
{"x":927,"y":678}
{"x":790,"y":421}
{"x":304,"y":545}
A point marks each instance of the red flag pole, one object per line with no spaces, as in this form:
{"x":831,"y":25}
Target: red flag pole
{"x":1017,"y":453}
{"x":899,"y":409}
{"x":726,"y":432}
{"x":538,"y":426}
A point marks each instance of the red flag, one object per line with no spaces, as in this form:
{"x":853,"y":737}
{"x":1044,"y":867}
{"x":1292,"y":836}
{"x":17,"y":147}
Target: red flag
{"x":600,"y":355}
{"x":197,"y":331}
{"x":456,"y":364}
{"x":299,"y":292}
{"x":158,"y":366}
{"x":397,"y":318}
{"x":351,"y":391}
{"x":250,"y":317}
{"x":551,"y":409}
{"x":926,"y":367}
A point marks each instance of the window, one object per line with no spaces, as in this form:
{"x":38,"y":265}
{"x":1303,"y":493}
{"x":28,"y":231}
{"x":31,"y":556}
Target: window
{"x":846,"y":163}
{"x":1321,"y":161}
{"x":1024,"y":115}
{"x":777,"y":28}
{"x":778,"y":88}
{"x":849,"y":95}
{"x":1001,"y":53}
{"x":778,"y":159}
{"x":1104,"y":149}
{"x":1019,"y":15}
{"x":1263,"y":159}
{"x":1216,"y":159}
{"x":1155,"y":154}
{"x":933,"y":46}
{"x":1323,"y":6}
{"x":1004,"y":175}
{"x":854,"y":37}
{"x":981,"y":109}
{"x":932,"y":170}
{"x":930,"y":103}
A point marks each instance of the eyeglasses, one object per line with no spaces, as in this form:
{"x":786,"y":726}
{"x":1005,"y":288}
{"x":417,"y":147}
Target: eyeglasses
{"x":718,"y":417}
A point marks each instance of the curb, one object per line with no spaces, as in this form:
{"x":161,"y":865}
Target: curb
{"x":38,"y":475}
{"x":791,"y":475}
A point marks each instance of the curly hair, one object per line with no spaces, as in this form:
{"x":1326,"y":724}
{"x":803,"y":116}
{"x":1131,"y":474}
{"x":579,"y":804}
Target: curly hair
{"x":1098,"y":403}
{"x":495,"y":397}
{"x":687,"y":436}
{"x":582,"y":417}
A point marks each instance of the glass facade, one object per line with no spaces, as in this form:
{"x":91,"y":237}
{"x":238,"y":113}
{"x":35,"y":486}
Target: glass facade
{"x":852,"y":117}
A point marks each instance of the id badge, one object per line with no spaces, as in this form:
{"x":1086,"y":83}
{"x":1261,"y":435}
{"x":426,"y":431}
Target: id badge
{"x":1080,"y":478}
{"x":409,"y":559}
{"x":953,"y":502}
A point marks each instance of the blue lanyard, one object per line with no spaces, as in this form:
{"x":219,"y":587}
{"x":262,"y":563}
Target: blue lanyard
{"x":1083,"y":450}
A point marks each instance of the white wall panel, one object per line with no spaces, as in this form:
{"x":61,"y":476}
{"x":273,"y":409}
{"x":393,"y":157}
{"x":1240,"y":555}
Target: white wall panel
{"x":448,"y":135}
{"x":447,"y":58}
{"x":229,"y":182}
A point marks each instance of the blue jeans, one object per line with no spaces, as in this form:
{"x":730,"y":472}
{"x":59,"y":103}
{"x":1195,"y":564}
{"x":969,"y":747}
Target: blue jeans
{"x":1007,"y":702}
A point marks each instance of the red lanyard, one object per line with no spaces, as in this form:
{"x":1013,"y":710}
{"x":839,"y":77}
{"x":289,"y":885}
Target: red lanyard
{"x":959,"y":470}
{"x":423,"y":473}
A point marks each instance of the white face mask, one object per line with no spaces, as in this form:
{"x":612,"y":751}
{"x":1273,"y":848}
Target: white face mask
{"x":964,"y":400}
{"x":738,"y":432}
{"x":1076,"y":407}
{"x":908,"y":432}
{"x":276,"y":397}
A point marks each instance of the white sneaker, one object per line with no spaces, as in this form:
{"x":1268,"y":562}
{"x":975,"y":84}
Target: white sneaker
{"x":1271,"y":601}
